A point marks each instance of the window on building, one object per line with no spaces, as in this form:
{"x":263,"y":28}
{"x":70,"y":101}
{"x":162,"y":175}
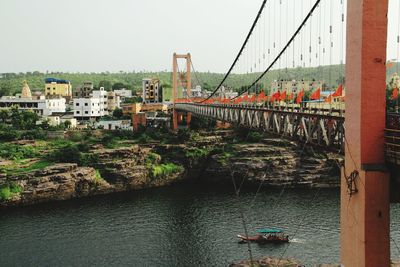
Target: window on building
{"x":86,"y":112}
{"x":77,"y":104}
{"x":86,"y":104}
{"x":78,"y":112}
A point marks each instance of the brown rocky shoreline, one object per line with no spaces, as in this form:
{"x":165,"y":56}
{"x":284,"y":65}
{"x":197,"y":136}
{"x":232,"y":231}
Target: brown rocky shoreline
{"x":125,"y":169}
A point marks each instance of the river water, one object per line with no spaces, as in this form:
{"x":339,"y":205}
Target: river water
{"x":182,"y":225}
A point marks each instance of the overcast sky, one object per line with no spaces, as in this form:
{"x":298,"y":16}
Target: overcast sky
{"x":127,"y":35}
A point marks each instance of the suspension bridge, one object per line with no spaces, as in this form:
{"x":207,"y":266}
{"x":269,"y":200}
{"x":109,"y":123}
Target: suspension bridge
{"x":345,"y":45}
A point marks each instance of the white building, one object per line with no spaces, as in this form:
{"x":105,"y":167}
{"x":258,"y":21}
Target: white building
{"x":115,"y":125}
{"x":41,"y":106}
{"x":194,"y":92}
{"x":225,"y":92}
{"x":93,"y":107}
{"x":123,"y":93}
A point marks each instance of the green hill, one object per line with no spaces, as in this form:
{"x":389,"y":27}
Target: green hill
{"x":11,"y":83}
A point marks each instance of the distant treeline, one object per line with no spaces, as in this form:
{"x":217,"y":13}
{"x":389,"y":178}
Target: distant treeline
{"x":11,"y":83}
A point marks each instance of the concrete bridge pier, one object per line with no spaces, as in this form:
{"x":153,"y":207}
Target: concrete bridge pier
{"x":179,"y":118}
{"x":365,"y":213}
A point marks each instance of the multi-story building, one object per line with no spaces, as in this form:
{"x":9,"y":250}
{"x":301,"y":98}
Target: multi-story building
{"x":226,"y":92}
{"x":42,"y":106}
{"x":124,"y":93}
{"x":195,"y":92}
{"x":152,"y":92}
{"x":296,"y":86}
{"x":38,"y":104}
{"x":91,"y":107}
{"x":84,"y":90}
{"x":57,"y":87}
{"x":131,"y":108}
{"x":113,"y":101}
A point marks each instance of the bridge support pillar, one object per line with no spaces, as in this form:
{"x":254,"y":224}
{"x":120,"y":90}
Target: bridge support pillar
{"x":365,"y":218}
{"x":179,"y":117}
{"x":175,"y":120}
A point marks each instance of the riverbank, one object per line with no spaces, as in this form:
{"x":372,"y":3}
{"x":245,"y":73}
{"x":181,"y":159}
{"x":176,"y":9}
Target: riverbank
{"x":206,"y":157}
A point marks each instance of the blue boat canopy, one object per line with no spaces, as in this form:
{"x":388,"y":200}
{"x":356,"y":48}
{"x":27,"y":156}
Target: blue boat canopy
{"x":269,"y":231}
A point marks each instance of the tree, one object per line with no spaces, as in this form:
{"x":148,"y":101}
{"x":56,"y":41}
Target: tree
{"x":67,"y":124}
{"x":106,"y":84}
{"x":118,"y":85}
{"x":4,"y":115}
{"x":6,"y":88}
{"x":23,"y":120}
{"x":117,"y":113}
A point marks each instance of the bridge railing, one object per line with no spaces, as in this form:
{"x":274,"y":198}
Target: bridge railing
{"x":392,"y":138}
{"x":323,"y":128}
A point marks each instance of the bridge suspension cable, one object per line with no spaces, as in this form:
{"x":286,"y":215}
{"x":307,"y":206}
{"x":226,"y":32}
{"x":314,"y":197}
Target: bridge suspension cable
{"x":284,"y":48}
{"x":240,"y":51}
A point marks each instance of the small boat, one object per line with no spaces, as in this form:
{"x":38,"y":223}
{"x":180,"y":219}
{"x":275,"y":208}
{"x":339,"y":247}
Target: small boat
{"x":266,"y":236}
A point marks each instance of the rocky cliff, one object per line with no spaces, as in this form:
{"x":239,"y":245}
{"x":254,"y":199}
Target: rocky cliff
{"x":271,"y":161}
{"x":276,"y":163}
{"x":116,"y":170}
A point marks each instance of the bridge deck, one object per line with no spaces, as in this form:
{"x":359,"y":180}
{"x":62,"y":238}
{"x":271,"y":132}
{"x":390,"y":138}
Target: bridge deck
{"x":321,"y":127}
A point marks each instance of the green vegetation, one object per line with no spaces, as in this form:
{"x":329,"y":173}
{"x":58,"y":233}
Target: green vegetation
{"x":197,"y":153}
{"x":97,"y":176}
{"x":254,"y":137}
{"x":152,"y":158}
{"x":224,"y":157}
{"x":166,"y":169}
{"x":17,"y":152}
{"x":246,"y":135}
{"x":38,"y":165}
{"x":73,"y":153}
{"x":11,"y":83}
{"x":18,"y":124}
{"x":7,"y":191}
{"x":202,"y":123}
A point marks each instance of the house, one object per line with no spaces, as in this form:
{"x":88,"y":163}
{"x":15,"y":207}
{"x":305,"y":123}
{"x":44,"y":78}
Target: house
{"x":58,"y":88}
{"x":42,"y":107}
{"x":115,"y":125}
{"x":92,"y":107}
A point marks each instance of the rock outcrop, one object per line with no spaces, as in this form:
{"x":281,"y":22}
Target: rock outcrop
{"x":58,"y":182}
{"x":275,"y":163}
{"x":115,"y":170}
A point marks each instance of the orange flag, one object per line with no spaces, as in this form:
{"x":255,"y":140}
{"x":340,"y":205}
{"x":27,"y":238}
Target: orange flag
{"x":316,"y":95}
{"x":252,"y":98}
{"x":283,"y":96}
{"x":395,"y":93}
{"x":339,"y":91}
{"x":328,"y":99}
{"x":272,"y":98}
{"x":290,"y":97}
{"x":261,"y":97}
{"x":276,"y":96}
{"x":299,"y":98}
{"x":390,"y":65}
